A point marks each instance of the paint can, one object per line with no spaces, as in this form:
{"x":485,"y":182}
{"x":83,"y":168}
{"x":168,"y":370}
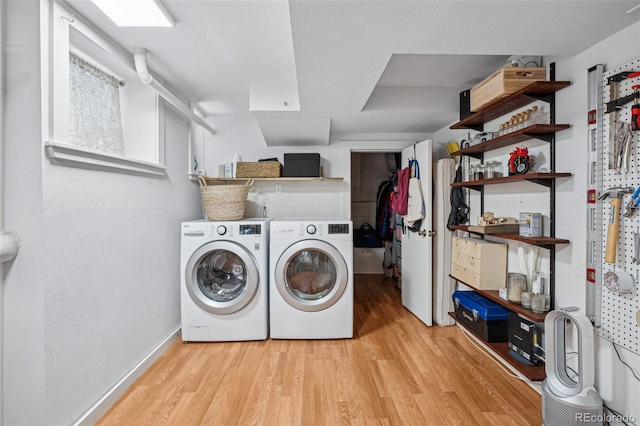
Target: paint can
{"x":530,"y":224}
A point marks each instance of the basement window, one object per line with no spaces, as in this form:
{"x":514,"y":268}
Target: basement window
{"x":100,"y":115}
{"x":94,"y":108}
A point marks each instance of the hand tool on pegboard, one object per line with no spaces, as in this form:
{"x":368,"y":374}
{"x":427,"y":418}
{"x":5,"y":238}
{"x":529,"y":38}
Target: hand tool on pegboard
{"x":624,"y":138}
{"x":615,"y":194}
{"x":619,"y":146}
{"x":632,"y":204}
{"x":636,"y":247}
{"x":616,"y":103}
{"x":635,"y":108}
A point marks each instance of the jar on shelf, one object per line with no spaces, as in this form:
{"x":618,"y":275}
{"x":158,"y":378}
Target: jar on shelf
{"x":477,"y":171}
{"x":493,"y":169}
{"x":543,"y":116}
{"x":538,"y":302}
{"x":516,"y":284}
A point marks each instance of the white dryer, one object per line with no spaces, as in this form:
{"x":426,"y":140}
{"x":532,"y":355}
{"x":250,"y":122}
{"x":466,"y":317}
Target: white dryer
{"x":311,"y":279}
{"x":224,"y":280}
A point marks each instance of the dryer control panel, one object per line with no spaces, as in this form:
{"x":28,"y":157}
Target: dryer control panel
{"x":250,"y":229}
{"x":339,"y":228}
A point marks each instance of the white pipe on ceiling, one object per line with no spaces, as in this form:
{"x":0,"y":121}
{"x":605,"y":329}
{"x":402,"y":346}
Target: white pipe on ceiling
{"x":140,"y":60}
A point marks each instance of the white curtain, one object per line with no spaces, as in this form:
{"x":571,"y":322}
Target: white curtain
{"x":94,"y":108}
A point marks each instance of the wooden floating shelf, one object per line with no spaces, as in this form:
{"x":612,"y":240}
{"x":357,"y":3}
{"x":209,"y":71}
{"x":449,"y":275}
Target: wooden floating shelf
{"x":545,"y":242}
{"x":515,"y":307}
{"x":534,"y":91}
{"x":538,"y":131}
{"x":538,"y":177}
{"x":275,"y":179}
{"x":535,"y":373}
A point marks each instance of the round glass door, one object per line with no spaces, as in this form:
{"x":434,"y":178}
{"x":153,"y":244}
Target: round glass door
{"x":311,"y":275}
{"x":221,"y":277}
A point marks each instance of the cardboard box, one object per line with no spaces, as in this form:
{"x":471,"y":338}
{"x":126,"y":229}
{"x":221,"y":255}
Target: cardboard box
{"x":504,"y":82}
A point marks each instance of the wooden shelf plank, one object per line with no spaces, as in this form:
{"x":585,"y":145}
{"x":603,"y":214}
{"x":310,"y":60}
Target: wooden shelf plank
{"x":512,"y":138}
{"x":278,"y":179}
{"x":537,"y":241}
{"x":535,"y":177}
{"x":493,"y":295}
{"x":509,"y":103}
{"x":535,"y":373}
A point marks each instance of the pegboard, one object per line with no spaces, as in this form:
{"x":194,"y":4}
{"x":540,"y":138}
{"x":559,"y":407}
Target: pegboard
{"x":618,"y":311}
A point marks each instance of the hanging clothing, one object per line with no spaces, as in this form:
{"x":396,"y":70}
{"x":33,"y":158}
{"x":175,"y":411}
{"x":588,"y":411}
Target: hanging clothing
{"x":383,"y":209}
{"x":401,"y":200}
{"x":415,"y":204}
{"x":459,"y":209}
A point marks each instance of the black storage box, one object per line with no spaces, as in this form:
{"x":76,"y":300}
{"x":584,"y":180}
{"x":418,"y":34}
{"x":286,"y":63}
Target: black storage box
{"x":465,"y":104}
{"x":366,"y":236}
{"x":484,"y":317}
{"x":523,"y":338}
{"x":301,"y":165}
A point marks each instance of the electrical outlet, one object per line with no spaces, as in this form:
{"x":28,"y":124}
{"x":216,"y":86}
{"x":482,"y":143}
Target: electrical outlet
{"x":278,"y":188}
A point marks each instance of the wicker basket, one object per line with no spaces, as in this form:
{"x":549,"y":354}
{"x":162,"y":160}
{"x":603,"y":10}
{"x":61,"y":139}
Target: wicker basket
{"x":224,"y":202}
{"x":260,"y":169}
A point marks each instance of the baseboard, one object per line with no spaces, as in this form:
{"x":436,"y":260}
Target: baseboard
{"x":100,"y":407}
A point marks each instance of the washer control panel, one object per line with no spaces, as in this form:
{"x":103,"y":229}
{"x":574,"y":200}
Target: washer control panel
{"x":338,"y":228}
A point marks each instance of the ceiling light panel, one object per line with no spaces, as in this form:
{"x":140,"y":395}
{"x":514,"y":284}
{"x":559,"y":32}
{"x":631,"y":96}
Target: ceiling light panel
{"x":136,"y":13}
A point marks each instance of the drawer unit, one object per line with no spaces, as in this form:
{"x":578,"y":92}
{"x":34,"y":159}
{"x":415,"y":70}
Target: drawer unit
{"x":481,"y":264}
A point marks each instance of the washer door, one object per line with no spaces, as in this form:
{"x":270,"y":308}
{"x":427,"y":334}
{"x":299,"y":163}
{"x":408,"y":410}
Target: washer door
{"x":222,"y":277}
{"x":311,"y":275}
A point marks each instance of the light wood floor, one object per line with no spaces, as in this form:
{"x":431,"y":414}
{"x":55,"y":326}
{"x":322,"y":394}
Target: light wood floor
{"x":395,"y":371}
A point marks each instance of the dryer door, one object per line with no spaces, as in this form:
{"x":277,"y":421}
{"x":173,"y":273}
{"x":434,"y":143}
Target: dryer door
{"x":222,"y":277}
{"x":311,"y":275}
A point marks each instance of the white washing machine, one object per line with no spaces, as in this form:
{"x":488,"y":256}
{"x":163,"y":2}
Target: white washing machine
{"x":311,"y":279}
{"x":224,"y":286}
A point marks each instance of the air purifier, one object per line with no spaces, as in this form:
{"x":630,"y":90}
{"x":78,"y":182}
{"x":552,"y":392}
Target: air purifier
{"x":565,"y":400}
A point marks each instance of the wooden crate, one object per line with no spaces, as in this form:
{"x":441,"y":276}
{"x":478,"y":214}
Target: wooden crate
{"x":259,"y":169}
{"x":481,"y":264}
{"x":503,"y":82}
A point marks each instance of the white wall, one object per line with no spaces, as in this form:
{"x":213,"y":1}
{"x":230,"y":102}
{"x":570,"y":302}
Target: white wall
{"x":241,"y":134}
{"x":24,"y":332}
{"x":95,"y":287}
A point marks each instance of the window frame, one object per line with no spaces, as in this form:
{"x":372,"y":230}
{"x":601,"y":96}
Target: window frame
{"x":62,"y":32}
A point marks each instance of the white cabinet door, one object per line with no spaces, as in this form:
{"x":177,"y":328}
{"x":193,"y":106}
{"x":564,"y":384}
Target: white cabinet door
{"x":416,"y":266}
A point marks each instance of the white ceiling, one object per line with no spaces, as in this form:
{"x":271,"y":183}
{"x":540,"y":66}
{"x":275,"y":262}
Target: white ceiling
{"x":383,"y":70}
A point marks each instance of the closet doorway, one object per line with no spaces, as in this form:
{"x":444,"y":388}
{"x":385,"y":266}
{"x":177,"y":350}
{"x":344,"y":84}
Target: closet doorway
{"x":371,"y":175}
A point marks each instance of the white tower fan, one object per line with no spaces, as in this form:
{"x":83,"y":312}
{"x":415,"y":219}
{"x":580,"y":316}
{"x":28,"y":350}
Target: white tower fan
{"x":564,"y":400}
